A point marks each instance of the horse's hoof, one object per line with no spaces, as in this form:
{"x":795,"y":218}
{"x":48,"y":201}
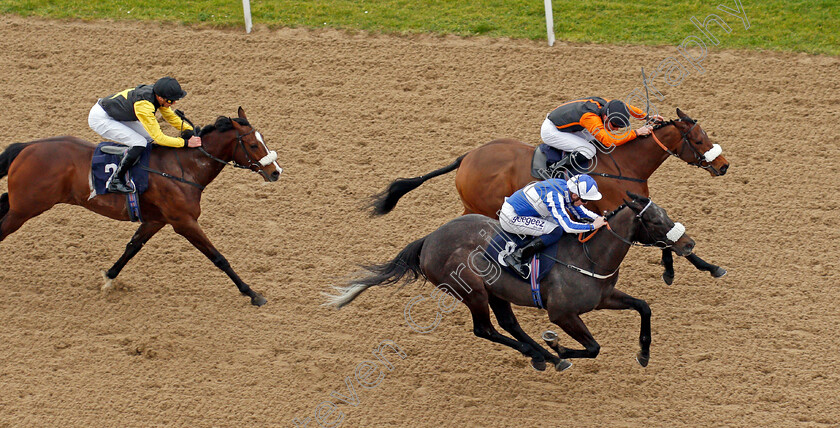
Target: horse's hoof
{"x":109,"y":283}
{"x":643,"y":360}
{"x":668,"y":277}
{"x":258,"y":300}
{"x":719,"y":272}
{"x":550,"y":338}
{"x":562,"y":365}
{"x":538,"y":365}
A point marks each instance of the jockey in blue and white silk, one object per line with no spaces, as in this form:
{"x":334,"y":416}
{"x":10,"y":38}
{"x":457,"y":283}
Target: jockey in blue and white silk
{"x":548,"y":209}
{"x":540,"y":208}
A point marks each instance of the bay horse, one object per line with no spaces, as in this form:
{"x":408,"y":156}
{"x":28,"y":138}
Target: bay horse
{"x":583,"y":279}
{"x":56,"y":170}
{"x":488,"y":174}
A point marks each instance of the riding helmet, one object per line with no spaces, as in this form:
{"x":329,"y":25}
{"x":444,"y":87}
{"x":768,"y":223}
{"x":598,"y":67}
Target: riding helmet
{"x":617,"y":114}
{"x":584,"y":186}
{"x":169,"y":89}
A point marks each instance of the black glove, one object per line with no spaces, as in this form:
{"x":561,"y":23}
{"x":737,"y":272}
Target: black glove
{"x":187,"y":134}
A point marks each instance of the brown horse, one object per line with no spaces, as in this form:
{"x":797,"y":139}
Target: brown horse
{"x":56,"y":170}
{"x":453,"y":254}
{"x":488,"y":174}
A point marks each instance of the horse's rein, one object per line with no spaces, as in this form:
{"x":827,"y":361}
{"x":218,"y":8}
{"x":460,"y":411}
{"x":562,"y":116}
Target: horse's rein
{"x":254,"y":165}
{"x":267,"y":159}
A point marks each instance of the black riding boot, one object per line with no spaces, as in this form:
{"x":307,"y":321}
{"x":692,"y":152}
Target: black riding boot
{"x":518,"y":259}
{"x":575,"y":163}
{"x":118,"y":182}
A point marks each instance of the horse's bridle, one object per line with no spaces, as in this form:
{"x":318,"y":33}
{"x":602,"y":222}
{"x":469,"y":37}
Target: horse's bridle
{"x":699,"y":158}
{"x":672,"y":236}
{"x":254,"y":165}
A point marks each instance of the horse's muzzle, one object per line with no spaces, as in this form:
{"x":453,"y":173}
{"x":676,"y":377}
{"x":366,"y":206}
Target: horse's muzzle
{"x":684,"y":246}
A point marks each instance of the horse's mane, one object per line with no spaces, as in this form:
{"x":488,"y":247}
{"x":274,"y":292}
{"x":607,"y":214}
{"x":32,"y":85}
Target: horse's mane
{"x":662,"y":124}
{"x":615,"y":211}
{"x":223,"y":123}
{"x":686,"y":119}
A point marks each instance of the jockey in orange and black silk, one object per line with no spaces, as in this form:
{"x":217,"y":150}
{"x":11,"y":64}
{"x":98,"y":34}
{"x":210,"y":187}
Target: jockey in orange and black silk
{"x":128,"y":117}
{"x":572,"y":126}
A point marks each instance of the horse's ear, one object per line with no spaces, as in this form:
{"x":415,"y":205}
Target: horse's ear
{"x":236,"y":125}
{"x":636,"y":197}
{"x":242,"y":113}
{"x":680,"y":114}
{"x":635,"y":206}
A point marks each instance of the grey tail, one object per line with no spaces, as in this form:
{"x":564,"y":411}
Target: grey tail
{"x":407,"y":262}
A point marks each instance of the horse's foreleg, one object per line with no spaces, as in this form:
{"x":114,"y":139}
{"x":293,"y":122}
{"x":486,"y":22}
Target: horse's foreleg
{"x":714,"y":270}
{"x":576,"y":329}
{"x":141,"y":236}
{"x":192,"y":231}
{"x":507,"y":320}
{"x":618,"y":300}
{"x":668,"y":263}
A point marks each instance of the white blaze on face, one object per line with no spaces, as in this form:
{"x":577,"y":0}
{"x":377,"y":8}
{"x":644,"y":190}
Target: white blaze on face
{"x":271,"y":157}
{"x":676,"y":232}
{"x":713,"y":153}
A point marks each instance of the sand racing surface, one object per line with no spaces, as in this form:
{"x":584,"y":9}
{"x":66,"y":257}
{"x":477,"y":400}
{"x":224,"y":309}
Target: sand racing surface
{"x":175,"y":344}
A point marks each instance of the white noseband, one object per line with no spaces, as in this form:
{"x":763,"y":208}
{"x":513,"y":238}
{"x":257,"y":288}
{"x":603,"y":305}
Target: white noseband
{"x":676,"y":232}
{"x":713,"y":153}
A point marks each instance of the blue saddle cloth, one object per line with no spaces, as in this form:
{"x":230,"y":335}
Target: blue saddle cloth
{"x":104,"y":164}
{"x":505,"y":243}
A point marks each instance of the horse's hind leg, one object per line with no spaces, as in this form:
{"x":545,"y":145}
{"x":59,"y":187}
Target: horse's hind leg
{"x":715,"y":271}
{"x":13,"y":220}
{"x":477,"y":302}
{"x":507,"y":320}
{"x":618,"y":300}
{"x":141,"y":236}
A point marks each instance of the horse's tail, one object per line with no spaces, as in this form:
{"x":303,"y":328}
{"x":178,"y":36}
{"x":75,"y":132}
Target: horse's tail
{"x":8,"y":156}
{"x":4,"y":206}
{"x":383,"y":203}
{"x":406,"y":262}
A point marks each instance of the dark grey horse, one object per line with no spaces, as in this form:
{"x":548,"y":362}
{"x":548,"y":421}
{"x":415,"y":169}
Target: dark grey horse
{"x":583,"y":279}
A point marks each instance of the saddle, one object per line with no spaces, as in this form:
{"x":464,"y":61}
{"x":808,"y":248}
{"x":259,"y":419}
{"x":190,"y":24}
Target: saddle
{"x":549,"y":162}
{"x":104,"y":162}
{"x":506,"y":243}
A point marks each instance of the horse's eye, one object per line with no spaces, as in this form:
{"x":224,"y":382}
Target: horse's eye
{"x":254,"y":147}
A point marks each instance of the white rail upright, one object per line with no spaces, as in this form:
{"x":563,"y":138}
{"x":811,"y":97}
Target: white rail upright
{"x":246,"y":7}
{"x":549,"y":22}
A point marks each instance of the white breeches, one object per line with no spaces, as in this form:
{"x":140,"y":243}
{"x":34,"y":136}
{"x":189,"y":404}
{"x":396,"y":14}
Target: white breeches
{"x":532,"y":226}
{"x":567,"y":141}
{"x":128,"y":133}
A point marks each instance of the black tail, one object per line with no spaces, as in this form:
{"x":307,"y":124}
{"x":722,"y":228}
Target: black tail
{"x":383,"y":203}
{"x":8,"y":156}
{"x":406,"y":262}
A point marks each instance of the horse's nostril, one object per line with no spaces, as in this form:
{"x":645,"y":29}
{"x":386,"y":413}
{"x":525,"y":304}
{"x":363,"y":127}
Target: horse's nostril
{"x":723,"y":169}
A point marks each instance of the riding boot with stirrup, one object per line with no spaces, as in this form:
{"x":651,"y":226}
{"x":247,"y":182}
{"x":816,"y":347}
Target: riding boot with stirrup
{"x":573,"y":163}
{"x":118,"y":182}
{"x":518,"y":260}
